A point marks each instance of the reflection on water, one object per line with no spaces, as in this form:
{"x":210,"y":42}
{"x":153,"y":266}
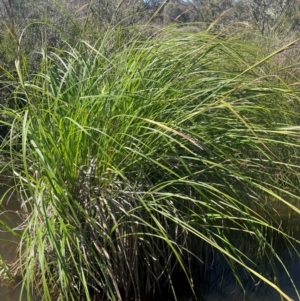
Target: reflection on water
{"x":219,"y":284}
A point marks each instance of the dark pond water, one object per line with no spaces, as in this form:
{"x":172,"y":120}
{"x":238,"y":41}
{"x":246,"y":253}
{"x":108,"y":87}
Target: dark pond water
{"x":220,"y":282}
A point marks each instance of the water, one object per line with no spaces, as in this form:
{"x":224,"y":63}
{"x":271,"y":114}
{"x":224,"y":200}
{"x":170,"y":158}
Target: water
{"x":9,"y":291}
{"x":220,"y":284}
{"x":223,"y":287}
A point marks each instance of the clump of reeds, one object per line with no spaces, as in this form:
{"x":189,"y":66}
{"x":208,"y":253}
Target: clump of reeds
{"x":135,"y":155}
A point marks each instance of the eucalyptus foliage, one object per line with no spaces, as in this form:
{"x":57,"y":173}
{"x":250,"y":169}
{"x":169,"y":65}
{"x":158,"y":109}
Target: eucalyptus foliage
{"x":135,"y":154}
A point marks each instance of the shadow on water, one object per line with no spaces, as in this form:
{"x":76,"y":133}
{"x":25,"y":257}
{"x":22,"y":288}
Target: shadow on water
{"x":220,"y":283}
{"x":215,"y":281}
{"x":256,"y":290}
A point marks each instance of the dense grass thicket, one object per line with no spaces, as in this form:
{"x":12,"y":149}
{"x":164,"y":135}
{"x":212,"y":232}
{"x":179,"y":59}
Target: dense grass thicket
{"x":135,"y":155}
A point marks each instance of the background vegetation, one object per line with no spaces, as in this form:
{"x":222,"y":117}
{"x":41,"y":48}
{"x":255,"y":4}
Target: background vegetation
{"x":137,"y":148}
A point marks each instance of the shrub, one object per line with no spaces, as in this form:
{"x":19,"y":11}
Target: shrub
{"x":137,"y":153}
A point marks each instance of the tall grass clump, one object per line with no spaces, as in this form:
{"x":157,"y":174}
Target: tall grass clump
{"x":134,"y":157}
